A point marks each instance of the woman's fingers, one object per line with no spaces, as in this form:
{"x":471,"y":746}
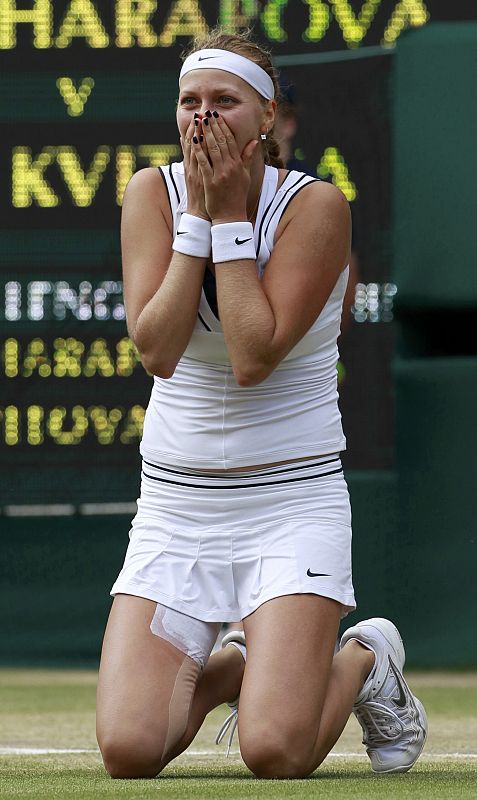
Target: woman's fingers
{"x":248,"y":152}
{"x":186,"y":144}
{"x":213,"y":147}
{"x":225,"y":136}
{"x":200,"y":154}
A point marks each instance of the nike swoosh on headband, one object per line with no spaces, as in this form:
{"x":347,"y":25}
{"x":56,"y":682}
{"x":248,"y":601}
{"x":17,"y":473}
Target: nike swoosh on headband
{"x":242,"y":241}
{"x":238,"y":65}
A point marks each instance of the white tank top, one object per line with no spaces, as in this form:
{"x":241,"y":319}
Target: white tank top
{"x":201,"y":417}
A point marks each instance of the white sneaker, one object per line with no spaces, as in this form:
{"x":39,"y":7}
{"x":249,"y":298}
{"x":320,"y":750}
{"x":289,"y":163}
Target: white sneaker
{"x":394,"y":722}
{"x":235,"y":638}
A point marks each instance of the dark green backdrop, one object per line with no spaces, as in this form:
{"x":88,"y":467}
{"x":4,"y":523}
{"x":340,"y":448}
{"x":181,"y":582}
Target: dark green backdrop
{"x":414,"y":522}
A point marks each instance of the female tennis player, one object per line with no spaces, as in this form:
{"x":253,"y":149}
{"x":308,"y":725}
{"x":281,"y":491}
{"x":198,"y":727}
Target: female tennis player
{"x":234,"y":276}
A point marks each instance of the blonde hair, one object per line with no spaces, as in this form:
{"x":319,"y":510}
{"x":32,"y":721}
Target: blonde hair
{"x":242,"y":44}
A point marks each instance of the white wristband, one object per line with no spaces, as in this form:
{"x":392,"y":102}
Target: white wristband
{"x":193,"y":236}
{"x":232,"y":241}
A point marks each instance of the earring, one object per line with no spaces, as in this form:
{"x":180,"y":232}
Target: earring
{"x":263,"y":136}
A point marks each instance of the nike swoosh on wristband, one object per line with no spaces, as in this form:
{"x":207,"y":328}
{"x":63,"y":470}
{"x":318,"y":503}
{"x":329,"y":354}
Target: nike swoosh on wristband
{"x":317,"y":574}
{"x":180,"y":232}
{"x":401,"y":701}
{"x":242,"y":241}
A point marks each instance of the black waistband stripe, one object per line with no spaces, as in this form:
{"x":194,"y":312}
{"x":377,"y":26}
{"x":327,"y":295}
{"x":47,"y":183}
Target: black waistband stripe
{"x":266,"y":472}
{"x":243,"y":480}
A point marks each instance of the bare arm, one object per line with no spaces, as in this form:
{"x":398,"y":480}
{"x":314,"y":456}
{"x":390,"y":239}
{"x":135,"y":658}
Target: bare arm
{"x":264,"y":320}
{"x":161,"y":287}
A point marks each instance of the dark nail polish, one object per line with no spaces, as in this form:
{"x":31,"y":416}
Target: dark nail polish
{"x":195,"y":140}
{"x":201,"y":138}
{"x":208,"y":113}
{"x":215,"y":114}
{"x":196,"y":122}
{"x":205,"y":121}
{"x":196,"y":115}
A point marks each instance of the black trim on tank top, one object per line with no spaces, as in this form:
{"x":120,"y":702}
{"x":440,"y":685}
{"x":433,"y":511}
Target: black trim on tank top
{"x":282,"y":199}
{"x":174,"y":183}
{"x":209,"y":285}
{"x":167,"y":188}
{"x":264,"y":215}
{"x":204,"y":322}
{"x":314,"y":180}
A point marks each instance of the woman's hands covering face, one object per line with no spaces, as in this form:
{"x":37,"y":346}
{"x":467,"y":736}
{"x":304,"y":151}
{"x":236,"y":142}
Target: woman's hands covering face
{"x":217,"y":166}
{"x":193,"y":177}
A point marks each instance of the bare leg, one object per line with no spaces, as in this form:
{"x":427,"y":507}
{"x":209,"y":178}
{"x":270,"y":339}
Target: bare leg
{"x":220,"y":683}
{"x":152,"y":698}
{"x":296,"y":698}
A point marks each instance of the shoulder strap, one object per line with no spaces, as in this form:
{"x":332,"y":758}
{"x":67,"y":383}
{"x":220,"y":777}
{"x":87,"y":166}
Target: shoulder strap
{"x":174,"y":182}
{"x":293,"y":183}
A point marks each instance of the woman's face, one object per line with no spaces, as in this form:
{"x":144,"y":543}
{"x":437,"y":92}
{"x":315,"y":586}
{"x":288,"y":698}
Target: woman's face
{"x":237,"y":103}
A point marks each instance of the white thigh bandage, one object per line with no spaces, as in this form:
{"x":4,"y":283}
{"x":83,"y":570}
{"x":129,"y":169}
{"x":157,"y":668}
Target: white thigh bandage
{"x":191,"y":636}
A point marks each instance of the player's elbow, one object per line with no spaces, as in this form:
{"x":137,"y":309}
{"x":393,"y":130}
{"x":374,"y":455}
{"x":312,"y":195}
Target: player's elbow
{"x":159,"y":367}
{"x":257,"y":367}
{"x":246,"y":380}
{"x":249,"y":374}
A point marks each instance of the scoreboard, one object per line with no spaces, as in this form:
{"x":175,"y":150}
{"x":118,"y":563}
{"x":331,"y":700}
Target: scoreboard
{"x":87,"y":97}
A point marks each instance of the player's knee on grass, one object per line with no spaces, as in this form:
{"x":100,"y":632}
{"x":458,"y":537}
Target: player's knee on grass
{"x":276,"y":755}
{"x":131,"y":756}
{"x":142,"y":754}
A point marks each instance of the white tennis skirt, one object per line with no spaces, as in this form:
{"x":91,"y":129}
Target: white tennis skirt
{"x":218,"y":546}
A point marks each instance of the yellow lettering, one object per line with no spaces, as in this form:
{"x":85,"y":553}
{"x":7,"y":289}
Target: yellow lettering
{"x":125,"y":169}
{"x":11,"y":354}
{"x":67,"y":357}
{"x":133,"y":23}
{"x":36,"y":358}
{"x":236,"y":14}
{"x":407,"y":13}
{"x":128,"y":357}
{"x":105,"y":422}
{"x":354,"y":28}
{"x":155,"y":155}
{"x":74,"y":98}
{"x":83,"y":187}
{"x":185,"y":19}
{"x":10,"y":418}
{"x":271,"y":18}
{"x":82,"y":21}
{"x":40,"y":16}
{"x":133,"y":425}
{"x":56,"y":421}
{"x":98,"y":359}
{"x":319,"y":21}
{"x":34,"y":425}
{"x":28,"y":182}
{"x":332,"y":163}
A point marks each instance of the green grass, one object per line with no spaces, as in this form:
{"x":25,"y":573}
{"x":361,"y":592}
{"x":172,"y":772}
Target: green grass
{"x":55,"y":709}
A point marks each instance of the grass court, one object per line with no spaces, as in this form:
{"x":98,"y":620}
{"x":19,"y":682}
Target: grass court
{"x":48,"y":750}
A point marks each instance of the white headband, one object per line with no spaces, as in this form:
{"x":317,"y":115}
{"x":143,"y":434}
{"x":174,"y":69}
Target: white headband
{"x":246,"y":69}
